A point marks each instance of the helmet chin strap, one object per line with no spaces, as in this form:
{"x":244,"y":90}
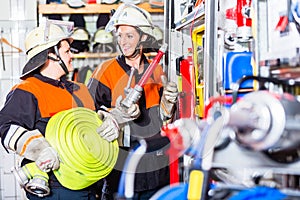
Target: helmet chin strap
{"x":134,"y":54}
{"x":59,"y":60}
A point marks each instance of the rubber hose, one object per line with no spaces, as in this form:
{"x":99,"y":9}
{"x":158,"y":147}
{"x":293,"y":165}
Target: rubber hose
{"x":85,"y":156}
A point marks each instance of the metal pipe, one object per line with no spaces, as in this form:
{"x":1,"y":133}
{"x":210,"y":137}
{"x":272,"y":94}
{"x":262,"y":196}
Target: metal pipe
{"x":136,"y":92}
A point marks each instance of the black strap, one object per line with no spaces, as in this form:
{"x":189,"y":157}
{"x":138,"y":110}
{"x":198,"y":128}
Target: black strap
{"x":60,"y":61}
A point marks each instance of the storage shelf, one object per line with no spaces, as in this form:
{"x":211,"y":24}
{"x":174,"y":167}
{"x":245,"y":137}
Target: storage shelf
{"x":83,"y":55}
{"x":55,"y":8}
{"x":196,"y":15}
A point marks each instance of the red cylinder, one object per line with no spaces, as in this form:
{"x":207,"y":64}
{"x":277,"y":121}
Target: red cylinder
{"x":243,"y":13}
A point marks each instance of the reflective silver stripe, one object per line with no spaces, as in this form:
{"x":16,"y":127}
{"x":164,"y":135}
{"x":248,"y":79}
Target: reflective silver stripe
{"x":12,"y":136}
{"x":126,"y":139}
{"x":9,"y":134}
{"x":104,"y":107}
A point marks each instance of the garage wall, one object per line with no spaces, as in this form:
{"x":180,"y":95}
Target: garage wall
{"x":17,"y":18}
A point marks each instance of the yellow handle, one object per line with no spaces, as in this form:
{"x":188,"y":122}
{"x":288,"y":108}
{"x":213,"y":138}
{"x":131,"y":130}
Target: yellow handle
{"x":195,"y":185}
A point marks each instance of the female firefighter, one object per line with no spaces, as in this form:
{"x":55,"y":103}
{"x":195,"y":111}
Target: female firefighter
{"x":135,"y":37}
{"x":43,"y":92}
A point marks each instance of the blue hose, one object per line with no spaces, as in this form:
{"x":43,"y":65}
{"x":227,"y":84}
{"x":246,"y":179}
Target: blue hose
{"x":130,"y":165}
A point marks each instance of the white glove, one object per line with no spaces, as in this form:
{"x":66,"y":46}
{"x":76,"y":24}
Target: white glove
{"x":109,"y":129}
{"x":123,"y":115}
{"x":34,"y":146}
{"x":115,"y":119}
{"x":48,"y":160}
{"x":169,"y":97}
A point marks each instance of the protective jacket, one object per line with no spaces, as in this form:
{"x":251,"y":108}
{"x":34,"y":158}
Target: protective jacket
{"x":106,"y":85}
{"x":31,"y":103}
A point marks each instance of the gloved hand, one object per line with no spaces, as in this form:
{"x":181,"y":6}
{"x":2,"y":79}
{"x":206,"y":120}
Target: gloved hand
{"x":34,"y":146}
{"x":48,"y":160}
{"x":123,"y":115}
{"x":109,"y":129}
{"x":115,"y":119}
{"x":169,"y":97}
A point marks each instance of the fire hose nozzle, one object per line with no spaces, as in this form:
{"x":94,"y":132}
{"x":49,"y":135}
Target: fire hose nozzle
{"x":163,"y":48}
{"x":132,"y":97}
{"x":135,"y":93}
{"x":32,"y":179}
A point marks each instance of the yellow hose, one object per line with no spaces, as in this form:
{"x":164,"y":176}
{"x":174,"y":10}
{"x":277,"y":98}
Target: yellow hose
{"x":85,"y":156}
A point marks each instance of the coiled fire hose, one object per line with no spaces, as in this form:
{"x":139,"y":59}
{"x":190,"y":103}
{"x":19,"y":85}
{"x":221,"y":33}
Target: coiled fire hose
{"x":85,"y":156}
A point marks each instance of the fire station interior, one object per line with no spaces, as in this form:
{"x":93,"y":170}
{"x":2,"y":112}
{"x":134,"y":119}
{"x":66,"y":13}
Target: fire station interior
{"x":236,"y":65}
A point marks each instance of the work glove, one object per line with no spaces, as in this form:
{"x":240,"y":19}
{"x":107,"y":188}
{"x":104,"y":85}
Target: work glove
{"x":34,"y":146}
{"x":48,"y":160}
{"x":169,"y":98}
{"x":109,"y":129}
{"x":115,"y":119}
{"x":124,"y":115}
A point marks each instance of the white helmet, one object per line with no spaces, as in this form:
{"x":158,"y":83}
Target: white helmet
{"x":38,"y":41}
{"x":131,"y":15}
{"x":158,"y":33}
{"x":80,"y":33}
{"x":75,"y":3}
{"x":103,"y":37}
{"x":132,"y":1}
{"x":103,"y":41}
{"x":109,"y":1}
{"x":81,"y":38}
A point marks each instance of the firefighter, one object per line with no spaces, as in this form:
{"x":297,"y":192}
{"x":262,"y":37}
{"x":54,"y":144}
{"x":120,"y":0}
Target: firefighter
{"x":135,"y":37}
{"x":43,"y":92}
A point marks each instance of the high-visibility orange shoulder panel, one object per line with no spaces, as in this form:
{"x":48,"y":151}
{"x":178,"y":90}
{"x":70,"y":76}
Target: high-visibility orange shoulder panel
{"x":111,"y":74}
{"x":51,"y":99}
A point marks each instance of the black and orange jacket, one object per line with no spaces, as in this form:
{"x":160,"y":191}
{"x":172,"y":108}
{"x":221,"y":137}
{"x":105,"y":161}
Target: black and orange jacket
{"x":111,"y":77}
{"x":32,"y":102}
{"x":108,"y":82}
{"x":106,"y":85}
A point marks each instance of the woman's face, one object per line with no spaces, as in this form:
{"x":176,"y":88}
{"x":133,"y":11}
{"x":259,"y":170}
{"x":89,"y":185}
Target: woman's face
{"x":128,"y":39}
{"x":66,"y":54}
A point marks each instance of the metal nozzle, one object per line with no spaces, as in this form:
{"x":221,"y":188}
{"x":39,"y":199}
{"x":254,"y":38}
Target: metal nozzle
{"x":164,"y":47}
{"x":38,"y":186}
{"x":132,"y":97}
{"x":32,"y":179}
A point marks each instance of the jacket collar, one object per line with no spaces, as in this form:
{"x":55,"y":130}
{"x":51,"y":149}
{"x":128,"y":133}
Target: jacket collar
{"x":63,"y":82}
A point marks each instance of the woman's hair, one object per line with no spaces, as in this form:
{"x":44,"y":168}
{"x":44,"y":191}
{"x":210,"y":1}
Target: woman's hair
{"x":150,"y":44}
{"x":51,"y":49}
